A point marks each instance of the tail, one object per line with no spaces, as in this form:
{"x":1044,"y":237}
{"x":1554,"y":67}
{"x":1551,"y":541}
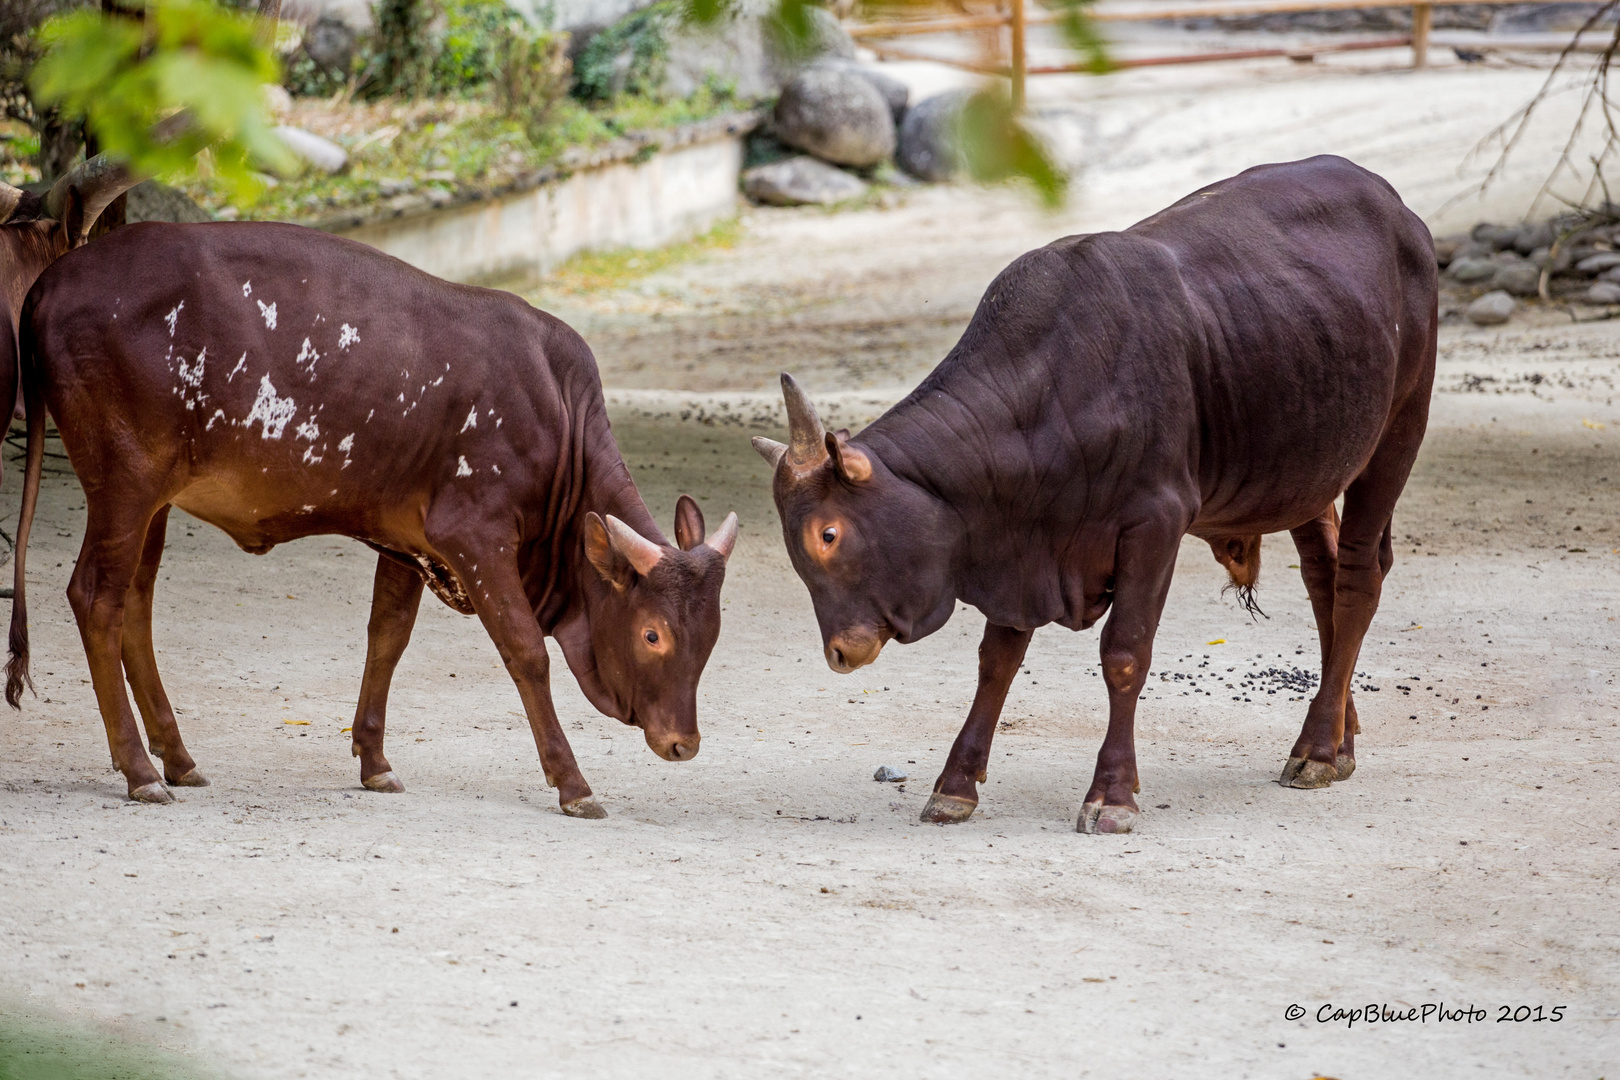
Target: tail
{"x":34,"y":400}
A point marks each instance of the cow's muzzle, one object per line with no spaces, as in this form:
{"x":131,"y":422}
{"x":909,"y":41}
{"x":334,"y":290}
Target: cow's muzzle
{"x":853,"y":649}
{"x":674,"y":746}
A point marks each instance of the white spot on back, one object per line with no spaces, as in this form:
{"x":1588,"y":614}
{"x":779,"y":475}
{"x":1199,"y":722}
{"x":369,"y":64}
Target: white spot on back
{"x":347,"y":336}
{"x":192,"y":375}
{"x":308,"y":355}
{"x":247,"y":288}
{"x":462,"y":468}
{"x":269,"y":313}
{"x":471,"y":421}
{"x":309,"y":430}
{"x":348,"y":443}
{"x":310,"y":457}
{"x":273,"y":411}
{"x":240,"y":364}
{"x":219,"y":414}
{"x":173,"y":317}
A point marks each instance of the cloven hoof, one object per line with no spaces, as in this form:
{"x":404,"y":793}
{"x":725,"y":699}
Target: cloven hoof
{"x":1346,"y":766}
{"x":1307,"y":773}
{"x":1097,"y":818}
{"x":587,"y":808}
{"x":154,"y":792}
{"x":191,"y":779}
{"x":385,"y":782}
{"x":947,"y":809}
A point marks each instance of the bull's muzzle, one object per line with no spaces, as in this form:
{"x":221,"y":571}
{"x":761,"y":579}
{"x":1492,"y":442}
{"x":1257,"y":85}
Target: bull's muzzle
{"x":673,"y":745}
{"x":853,"y":649}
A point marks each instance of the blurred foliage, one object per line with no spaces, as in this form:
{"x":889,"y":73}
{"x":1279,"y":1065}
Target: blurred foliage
{"x":1082,"y":35}
{"x":122,"y":75}
{"x":998,"y":147}
{"x":469,"y":53}
{"x":403,"y":48}
{"x":34,"y":1049}
{"x":593,"y":271}
{"x":532,"y":76}
{"x":627,"y":57}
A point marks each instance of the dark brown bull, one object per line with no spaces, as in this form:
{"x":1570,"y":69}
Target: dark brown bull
{"x":278,"y":382}
{"x":1228,"y":367}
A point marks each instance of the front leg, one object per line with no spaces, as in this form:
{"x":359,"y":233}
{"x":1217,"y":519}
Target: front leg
{"x":490,"y":577}
{"x":396,"y":595}
{"x":1144,"y":564}
{"x":956,"y":792}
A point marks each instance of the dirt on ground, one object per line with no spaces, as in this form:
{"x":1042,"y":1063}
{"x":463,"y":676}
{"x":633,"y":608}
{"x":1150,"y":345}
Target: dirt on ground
{"x":769,"y":909}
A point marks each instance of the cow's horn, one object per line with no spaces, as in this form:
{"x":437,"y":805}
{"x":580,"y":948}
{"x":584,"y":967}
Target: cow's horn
{"x":806,"y":439}
{"x":640,"y":552}
{"x":725,"y":537}
{"x":99,"y":180}
{"x":770,"y":450}
{"x":9,"y":198}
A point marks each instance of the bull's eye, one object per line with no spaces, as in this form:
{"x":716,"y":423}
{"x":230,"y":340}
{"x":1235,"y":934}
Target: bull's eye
{"x":651,"y":636}
{"x":828,"y":535}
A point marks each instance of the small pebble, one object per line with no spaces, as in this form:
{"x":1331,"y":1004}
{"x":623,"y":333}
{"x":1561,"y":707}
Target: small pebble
{"x":889,"y":774}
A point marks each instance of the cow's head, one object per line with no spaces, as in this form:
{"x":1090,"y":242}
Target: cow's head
{"x":653,"y":627}
{"x":875,"y":550}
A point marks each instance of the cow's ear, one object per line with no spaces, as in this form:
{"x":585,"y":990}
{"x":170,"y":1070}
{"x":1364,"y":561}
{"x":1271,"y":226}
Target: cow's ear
{"x":688,"y":523}
{"x":615,"y":570}
{"x":849,"y":461}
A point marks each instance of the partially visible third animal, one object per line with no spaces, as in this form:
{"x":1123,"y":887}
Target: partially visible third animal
{"x":279,"y":382}
{"x":1228,"y":367}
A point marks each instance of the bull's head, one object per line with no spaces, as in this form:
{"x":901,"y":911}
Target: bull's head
{"x":874,"y":549}
{"x":654,"y":626}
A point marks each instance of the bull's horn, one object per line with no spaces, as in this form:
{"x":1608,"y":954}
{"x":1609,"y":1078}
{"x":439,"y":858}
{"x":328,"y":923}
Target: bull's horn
{"x":98,"y":180}
{"x":725,"y":537}
{"x":770,"y":450}
{"x":806,"y":435}
{"x":637,"y":550}
{"x":9,"y":198}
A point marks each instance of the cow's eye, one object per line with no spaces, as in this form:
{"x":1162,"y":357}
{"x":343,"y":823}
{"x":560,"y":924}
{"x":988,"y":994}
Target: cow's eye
{"x":828,"y":535}
{"x":651,"y":636}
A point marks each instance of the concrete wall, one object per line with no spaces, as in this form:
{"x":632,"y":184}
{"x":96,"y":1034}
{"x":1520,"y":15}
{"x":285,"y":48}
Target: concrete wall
{"x":673,"y":195}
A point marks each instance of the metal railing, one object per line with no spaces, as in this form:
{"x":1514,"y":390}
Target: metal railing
{"x":1014,"y":18}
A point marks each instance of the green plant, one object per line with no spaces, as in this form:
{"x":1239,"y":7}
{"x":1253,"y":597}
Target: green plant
{"x":124,"y":75}
{"x":402,"y":64}
{"x":532,"y":76}
{"x":475,"y":35}
{"x":626,"y":58}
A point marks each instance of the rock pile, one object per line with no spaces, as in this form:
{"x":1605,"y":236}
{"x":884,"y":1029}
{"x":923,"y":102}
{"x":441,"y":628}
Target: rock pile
{"x":1578,"y":256}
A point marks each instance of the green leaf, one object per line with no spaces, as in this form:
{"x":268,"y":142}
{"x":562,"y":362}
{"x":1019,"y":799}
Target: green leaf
{"x":998,"y":147}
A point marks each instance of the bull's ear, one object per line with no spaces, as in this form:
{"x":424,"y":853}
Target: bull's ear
{"x":849,"y":461}
{"x":725,"y":537}
{"x":688,"y":523}
{"x":599,"y":550}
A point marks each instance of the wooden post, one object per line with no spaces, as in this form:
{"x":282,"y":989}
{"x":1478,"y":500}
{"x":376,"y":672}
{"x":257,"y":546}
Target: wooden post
{"x":1016,"y":21}
{"x":1422,"y":20}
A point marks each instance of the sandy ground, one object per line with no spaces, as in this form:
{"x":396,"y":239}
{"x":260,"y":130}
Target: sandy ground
{"x":768,"y":909}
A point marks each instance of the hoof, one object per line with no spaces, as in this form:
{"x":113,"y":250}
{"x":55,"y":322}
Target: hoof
{"x":1346,"y":766}
{"x":587,"y":808}
{"x":1097,"y":818}
{"x":385,"y":782}
{"x":154,"y":792}
{"x":191,"y":779}
{"x":947,"y":809}
{"x":1306,"y":773}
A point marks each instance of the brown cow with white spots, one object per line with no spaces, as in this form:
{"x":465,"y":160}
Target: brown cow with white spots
{"x":278,"y":382}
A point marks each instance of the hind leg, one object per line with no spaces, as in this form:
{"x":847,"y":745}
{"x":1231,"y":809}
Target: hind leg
{"x":140,"y":664}
{"x":1364,"y":556}
{"x":1318,"y":545}
{"x":114,"y":537}
{"x":395,"y":596}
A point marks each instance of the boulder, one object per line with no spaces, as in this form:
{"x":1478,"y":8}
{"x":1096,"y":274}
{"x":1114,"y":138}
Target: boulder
{"x":930,"y":137}
{"x":323,"y":154}
{"x":1470,"y":269}
{"x":1596,"y":264}
{"x":836,"y":115}
{"x":1532,"y":237}
{"x":1491,"y":309}
{"x":741,"y":53}
{"x":1603,"y":292}
{"x":893,"y":90}
{"x":1517,"y":278}
{"x":1498,"y":237}
{"x":331,"y":43}
{"x":152,"y":201}
{"x":1445,"y":249}
{"x":801,"y":180}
